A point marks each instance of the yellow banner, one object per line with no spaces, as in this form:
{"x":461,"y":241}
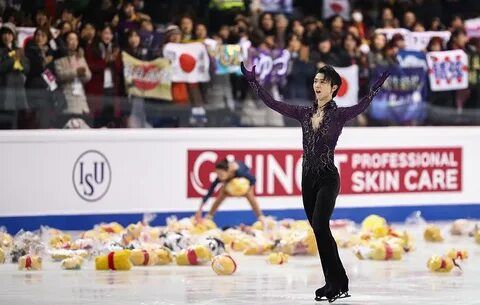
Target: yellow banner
{"x":147,"y":78}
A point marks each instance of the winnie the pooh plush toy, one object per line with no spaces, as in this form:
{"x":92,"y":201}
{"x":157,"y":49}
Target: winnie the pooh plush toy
{"x":238,"y":186}
{"x":380,"y":251}
{"x":6,"y":240}
{"x":277,"y":258}
{"x":116,"y":260}
{"x":193,"y":255}
{"x":224,"y":264}
{"x":164,"y":256}
{"x":477,"y":236}
{"x":432,"y":234}
{"x":254,"y":247}
{"x":457,"y":254}
{"x":440,"y":264}
{"x":72,"y":263}
{"x":140,"y":257}
{"x":113,"y":227}
{"x":30,"y":262}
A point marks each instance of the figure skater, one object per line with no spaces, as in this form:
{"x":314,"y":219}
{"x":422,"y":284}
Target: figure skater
{"x":226,"y":171}
{"x":322,"y":124}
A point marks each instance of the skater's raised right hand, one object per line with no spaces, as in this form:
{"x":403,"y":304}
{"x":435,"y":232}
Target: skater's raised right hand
{"x":249,"y":75}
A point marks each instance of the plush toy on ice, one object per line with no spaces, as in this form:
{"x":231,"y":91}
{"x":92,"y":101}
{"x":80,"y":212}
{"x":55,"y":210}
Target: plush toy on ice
{"x":195,"y":255}
{"x":6,"y":240}
{"x":164,"y":256}
{"x":440,"y":263}
{"x":433,"y":234}
{"x":30,"y":262}
{"x":72,"y":263}
{"x":140,"y":257}
{"x":116,"y":260}
{"x":380,"y":251}
{"x":456,"y":254}
{"x":224,"y":264}
{"x":277,"y":258}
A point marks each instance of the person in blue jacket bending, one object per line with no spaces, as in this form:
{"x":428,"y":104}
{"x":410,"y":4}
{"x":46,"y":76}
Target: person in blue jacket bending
{"x":226,"y":171}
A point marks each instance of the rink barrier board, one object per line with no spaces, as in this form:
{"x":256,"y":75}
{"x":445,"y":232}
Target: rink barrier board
{"x":230,"y":218}
{"x":165,"y":171}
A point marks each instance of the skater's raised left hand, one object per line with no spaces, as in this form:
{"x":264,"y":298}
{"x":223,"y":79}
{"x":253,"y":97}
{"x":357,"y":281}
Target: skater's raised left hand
{"x":249,"y":75}
{"x":378,"y":84}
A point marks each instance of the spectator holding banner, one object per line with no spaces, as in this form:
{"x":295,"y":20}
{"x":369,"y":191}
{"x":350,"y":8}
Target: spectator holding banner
{"x":137,"y":117}
{"x":458,"y":41}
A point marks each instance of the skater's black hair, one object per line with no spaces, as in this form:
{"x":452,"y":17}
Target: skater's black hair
{"x":223,"y":165}
{"x":332,"y":76}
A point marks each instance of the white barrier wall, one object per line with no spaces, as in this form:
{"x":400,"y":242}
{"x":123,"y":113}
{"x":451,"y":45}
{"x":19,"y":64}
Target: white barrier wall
{"x":65,"y":172}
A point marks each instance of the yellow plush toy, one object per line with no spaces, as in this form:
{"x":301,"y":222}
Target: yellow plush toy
{"x":385,"y":251}
{"x":117,"y":260}
{"x":407,"y":241}
{"x":2,"y":256}
{"x":204,"y":225}
{"x":239,"y":244}
{"x":264,"y":223}
{"x":477,"y":236}
{"x":6,"y":240}
{"x":298,"y":242}
{"x":373,"y":221}
{"x":457,"y":254}
{"x":193,"y":256}
{"x":277,"y":258}
{"x":30,"y":262}
{"x":224,"y":264}
{"x":380,"y":251}
{"x":238,"y":186}
{"x":440,"y":264}
{"x":432,"y":233}
{"x":113,"y":227}
{"x":257,"y":248}
{"x":140,"y":257}
{"x":164,"y":256}
{"x":60,"y":240}
{"x":72,"y":263}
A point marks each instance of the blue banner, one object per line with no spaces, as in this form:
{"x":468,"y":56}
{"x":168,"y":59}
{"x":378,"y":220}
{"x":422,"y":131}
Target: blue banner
{"x":403,"y":96}
{"x":412,"y":59}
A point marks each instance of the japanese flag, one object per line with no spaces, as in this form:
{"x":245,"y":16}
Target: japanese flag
{"x":348,"y":93}
{"x":190,"y":62}
{"x":336,"y":7}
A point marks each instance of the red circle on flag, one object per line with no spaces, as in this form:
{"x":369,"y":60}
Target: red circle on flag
{"x":336,"y":7}
{"x":187,"y":62}
{"x":343,"y":88}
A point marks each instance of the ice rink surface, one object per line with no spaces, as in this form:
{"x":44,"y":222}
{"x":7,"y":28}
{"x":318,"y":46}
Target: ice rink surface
{"x":256,"y":282}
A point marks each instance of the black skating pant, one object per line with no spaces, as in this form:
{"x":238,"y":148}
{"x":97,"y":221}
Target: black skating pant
{"x":319,"y":191}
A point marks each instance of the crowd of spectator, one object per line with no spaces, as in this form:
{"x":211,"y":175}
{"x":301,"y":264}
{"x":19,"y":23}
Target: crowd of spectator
{"x":70,"y":73}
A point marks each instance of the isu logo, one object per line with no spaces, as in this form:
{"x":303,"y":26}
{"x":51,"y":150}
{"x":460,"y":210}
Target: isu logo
{"x":362,"y":171}
{"x":92,"y":175}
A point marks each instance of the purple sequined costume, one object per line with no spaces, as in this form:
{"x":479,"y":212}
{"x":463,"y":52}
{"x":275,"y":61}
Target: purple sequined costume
{"x":320,"y":179}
